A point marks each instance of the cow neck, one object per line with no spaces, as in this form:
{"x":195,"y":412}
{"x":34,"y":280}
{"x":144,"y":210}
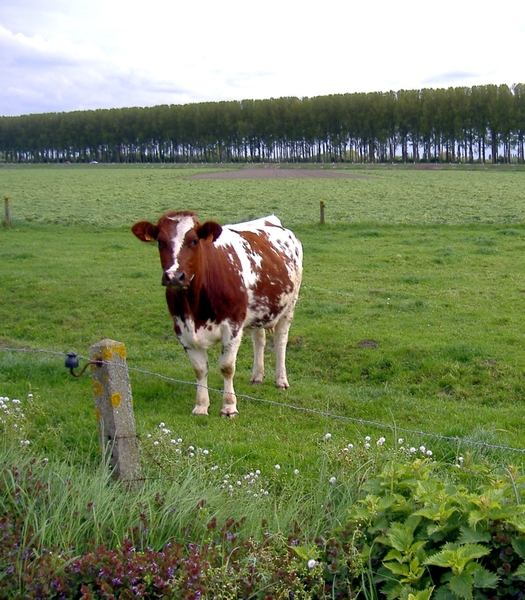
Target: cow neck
{"x":216,"y":292}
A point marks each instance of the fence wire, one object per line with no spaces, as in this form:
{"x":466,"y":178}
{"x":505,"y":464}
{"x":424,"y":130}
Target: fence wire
{"x":313,"y":411}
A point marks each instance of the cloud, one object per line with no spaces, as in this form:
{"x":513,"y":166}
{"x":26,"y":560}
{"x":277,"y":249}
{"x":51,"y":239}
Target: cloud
{"x":451,"y":78}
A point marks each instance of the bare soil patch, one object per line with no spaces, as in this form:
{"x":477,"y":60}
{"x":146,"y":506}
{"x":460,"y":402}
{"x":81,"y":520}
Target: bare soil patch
{"x":273,"y":172}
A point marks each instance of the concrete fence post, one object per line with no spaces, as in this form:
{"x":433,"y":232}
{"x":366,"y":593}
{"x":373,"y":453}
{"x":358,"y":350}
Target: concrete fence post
{"x":114,"y":410}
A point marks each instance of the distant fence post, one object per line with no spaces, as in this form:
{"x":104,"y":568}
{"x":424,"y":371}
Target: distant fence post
{"x":7,"y":221}
{"x":114,"y":410}
{"x":321,"y":205}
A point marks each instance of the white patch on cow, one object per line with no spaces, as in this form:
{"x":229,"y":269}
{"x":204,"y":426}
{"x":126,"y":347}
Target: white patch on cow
{"x":183,"y":226}
{"x":204,"y":337}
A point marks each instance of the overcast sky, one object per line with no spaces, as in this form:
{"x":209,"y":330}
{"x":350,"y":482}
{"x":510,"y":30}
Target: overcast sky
{"x":64,"y":55}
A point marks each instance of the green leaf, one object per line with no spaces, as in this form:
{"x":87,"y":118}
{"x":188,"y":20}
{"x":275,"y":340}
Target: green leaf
{"x":471,"y":536}
{"x":520,"y":572}
{"x":485,"y":579}
{"x":461,"y":585}
{"x":519,"y":546}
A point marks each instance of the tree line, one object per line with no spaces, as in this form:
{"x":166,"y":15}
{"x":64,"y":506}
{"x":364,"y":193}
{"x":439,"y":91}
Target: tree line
{"x":468,"y":124}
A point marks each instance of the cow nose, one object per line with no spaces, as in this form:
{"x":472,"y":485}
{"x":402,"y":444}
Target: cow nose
{"x":170,"y":278}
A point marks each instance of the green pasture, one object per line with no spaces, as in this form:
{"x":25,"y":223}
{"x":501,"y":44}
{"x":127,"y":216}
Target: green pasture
{"x":411,"y":312}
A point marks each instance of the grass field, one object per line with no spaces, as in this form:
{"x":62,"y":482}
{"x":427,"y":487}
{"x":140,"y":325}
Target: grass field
{"x":425,"y":264}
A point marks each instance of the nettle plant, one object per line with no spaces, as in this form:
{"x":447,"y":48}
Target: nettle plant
{"x":424,"y":534}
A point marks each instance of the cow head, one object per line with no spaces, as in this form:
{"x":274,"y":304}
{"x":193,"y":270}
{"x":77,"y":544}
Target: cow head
{"x":181,"y":240}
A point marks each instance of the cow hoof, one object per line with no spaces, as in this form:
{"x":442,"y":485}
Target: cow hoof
{"x":229,"y":415}
{"x":200,"y":412}
{"x":256,"y":380}
{"x":282,"y":385}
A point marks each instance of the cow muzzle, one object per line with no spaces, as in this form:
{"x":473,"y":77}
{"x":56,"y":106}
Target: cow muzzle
{"x":176,"y":280}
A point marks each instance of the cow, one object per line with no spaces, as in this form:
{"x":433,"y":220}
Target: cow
{"x":222,"y":279}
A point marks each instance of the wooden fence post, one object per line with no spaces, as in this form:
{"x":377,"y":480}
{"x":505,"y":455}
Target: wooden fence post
{"x":321,"y":205}
{"x":7,"y":221}
{"x":114,"y":410}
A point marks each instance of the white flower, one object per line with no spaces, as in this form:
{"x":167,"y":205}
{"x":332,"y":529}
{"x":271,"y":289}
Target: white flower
{"x":422,"y":449}
{"x":16,"y":401}
{"x":412,"y":450}
{"x":311,"y":563}
{"x":367,"y":446}
{"x":156,"y":443}
{"x":350,"y":446}
{"x":205,"y":452}
{"x":381,"y":441}
{"x":173,"y":441}
{"x":327,"y":436}
{"x":162,"y":424}
{"x":277,"y":467}
{"x":332,"y":480}
{"x":400,"y":441}
{"x":296,"y":472}
{"x":191,"y":448}
{"x":429,"y":452}
{"x":367,"y":438}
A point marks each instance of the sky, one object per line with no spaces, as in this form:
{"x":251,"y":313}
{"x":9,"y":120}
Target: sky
{"x":67,"y":55}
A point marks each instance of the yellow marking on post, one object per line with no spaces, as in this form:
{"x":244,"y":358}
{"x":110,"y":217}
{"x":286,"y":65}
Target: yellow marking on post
{"x":97,"y":388}
{"x":107,"y":354}
{"x":120,"y":350}
{"x":116,"y":399}
{"x":97,"y":415}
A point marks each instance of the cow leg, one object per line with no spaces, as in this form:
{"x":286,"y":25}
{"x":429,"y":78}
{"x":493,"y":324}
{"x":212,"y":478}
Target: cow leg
{"x":280,"y":341}
{"x":259,"y":343}
{"x":199,"y":360}
{"x":227,"y":367}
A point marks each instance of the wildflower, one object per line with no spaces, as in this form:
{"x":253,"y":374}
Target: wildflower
{"x":412,"y":450}
{"x":173,"y":441}
{"x":277,"y":467}
{"x":367,"y":446}
{"x":205,"y":452}
{"x":311,"y":563}
{"x":332,"y":480}
{"x":327,"y":436}
{"x":296,"y":472}
{"x":400,"y":441}
{"x":381,"y":441}
{"x":156,"y":443}
{"x":350,"y":446}
{"x":162,"y":424}
{"x":422,"y":449}
{"x":367,"y":438}
{"x":429,"y":452}
{"x":16,"y":401}
{"x":191,"y":448}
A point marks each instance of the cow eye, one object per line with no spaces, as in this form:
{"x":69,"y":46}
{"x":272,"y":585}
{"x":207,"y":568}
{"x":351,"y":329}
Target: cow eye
{"x":194,"y":242}
{"x":161,"y":244}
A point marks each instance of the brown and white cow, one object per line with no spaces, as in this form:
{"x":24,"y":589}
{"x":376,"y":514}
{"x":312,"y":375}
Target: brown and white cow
{"x":220,"y":280}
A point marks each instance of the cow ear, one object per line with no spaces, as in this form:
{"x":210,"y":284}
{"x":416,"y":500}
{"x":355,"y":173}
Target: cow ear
{"x":209,"y":231}
{"x":145,"y":231}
